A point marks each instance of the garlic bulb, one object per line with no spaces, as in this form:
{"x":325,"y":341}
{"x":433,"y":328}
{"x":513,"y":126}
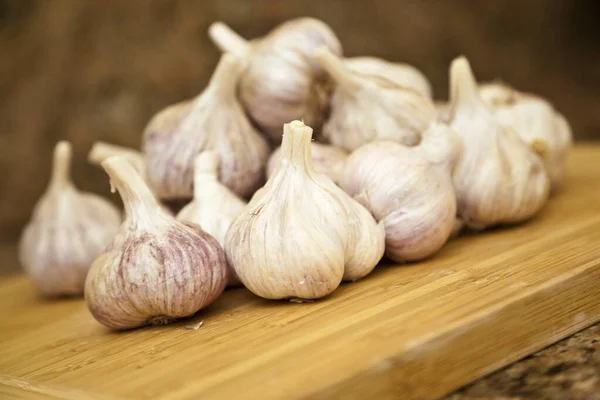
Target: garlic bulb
{"x":499,"y":179}
{"x":68,"y":229}
{"x":409,"y":190}
{"x":536,"y":121}
{"x":212,"y":121}
{"x":365,"y":108}
{"x":282,"y":81}
{"x":214,"y":206}
{"x":101,"y":151}
{"x":404,"y":75}
{"x":327,"y":159}
{"x":156,"y":269}
{"x":300,"y":235}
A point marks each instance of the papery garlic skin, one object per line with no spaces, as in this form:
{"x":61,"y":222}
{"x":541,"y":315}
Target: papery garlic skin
{"x":68,"y":229}
{"x":404,"y":75}
{"x":409,"y":190}
{"x":156,"y":269}
{"x":282,"y":82}
{"x":365,"y":108}
{"x":536,"y":122}
{"x":290,"y":241}
{"x":499,"y":179}
{"x":212,"y":121}
{"x":214,"y":206}
{"x":101,"y":151}
{"x":327,"y":159}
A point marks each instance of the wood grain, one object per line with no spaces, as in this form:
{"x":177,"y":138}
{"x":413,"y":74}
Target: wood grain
{"x":415,"y":331}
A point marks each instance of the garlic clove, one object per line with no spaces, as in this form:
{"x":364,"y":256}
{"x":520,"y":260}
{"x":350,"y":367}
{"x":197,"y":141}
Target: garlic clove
{"x":214,"y":206}
{"x":282,"y":81}
{"x":101,"y":151}
{"x":290,"y":241}
{"x":366,"y":108}
{"x":499,"y":179}
{"x":68,"y":229}
{"x":409,"y":190}
{"x":156,"y":269}
{"x":366,"y":239}
{"x":404,"y":75}
{"x":212,"y":121}
{"x":326,"y":159}
{"x":536,"y":122}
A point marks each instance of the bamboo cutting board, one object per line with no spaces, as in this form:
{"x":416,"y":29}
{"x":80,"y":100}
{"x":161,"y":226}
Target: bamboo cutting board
{"x":414,"y":332}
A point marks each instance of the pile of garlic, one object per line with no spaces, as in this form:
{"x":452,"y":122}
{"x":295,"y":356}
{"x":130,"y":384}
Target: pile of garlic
{"x":391,"y":172}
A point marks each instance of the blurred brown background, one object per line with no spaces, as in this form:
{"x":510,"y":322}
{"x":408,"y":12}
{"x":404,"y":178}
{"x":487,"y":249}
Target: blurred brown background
{"x":89,"y":70}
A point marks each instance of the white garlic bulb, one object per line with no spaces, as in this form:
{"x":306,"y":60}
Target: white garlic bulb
{"x":536,"y":121}
{"x":300,"y":235}
{"x":156,"y":269}
{"x":212,"y":121}
{"x":68,"y":229}
{"x":214,"y":206}
{"x":101,"y":151}
{"x":409,"y":190}
{"x":499,"y":179}
{"x":282,"y":82}
{"x":404,"y":75}
{"x":365,"y":108}
{"x":327,"y":159}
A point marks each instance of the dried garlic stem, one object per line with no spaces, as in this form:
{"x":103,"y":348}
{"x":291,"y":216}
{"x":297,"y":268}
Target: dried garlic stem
{"x":206,"y":169}
{"x":138,"y":200}
{"x":101,"y":151}
{"x":225,"y":78}
{"x":61,"y":165}
{"x":297,"y":150}
{"x":227,"y":40}
{"x":335,"y":67}
{"x":463,"y":86}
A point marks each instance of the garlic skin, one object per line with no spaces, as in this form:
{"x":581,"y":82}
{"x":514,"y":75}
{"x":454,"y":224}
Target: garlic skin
{"x":101,"y":151}
{"x":212,"y":121}
{"x":214,"y":206}
{"x":365,"y":108}
{"x":409,"y":190}
{"x":300,"y":235}
{"x":282,"y":82}
{"x":404,"y":75}
{"x":67,"y":230}
{"x":536,"y":121}
{"x":327,"y":159}
{"x":499,"y":179}
{"x":156,"y":269}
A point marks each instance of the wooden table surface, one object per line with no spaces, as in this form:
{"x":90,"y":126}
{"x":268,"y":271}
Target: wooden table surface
{"x":415,"y":331}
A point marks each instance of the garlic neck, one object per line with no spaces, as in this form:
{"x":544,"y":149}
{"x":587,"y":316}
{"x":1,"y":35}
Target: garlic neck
{"x":295,"y":147}
{"x":101,"y":151}
{"x":227,"y":40}
{"x":463,"y":87}
{"x":206,"y":172}
{"x":138,"y":200}
{"x":335,"y":67}
{"x":225,"y":78}
{"x":61,"y":166}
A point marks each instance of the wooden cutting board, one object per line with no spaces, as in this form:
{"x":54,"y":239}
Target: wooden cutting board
{"x":415,"y":331}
